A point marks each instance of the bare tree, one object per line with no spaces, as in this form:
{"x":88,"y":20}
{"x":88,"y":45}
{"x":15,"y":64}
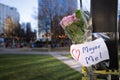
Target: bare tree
{"x":8,"y":26}
{"x":10,"y":29}
{"x":52,"y":10}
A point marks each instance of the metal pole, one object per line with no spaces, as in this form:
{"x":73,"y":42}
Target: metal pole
{"x":81,"y":4}
{"x":104,"y":20}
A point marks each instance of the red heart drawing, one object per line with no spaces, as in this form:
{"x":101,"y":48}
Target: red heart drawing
{"x":76,"y":54}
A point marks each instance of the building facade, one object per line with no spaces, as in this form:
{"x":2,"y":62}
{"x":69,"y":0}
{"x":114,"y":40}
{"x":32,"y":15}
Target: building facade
{"x":5,"y":12}
{"x":7,"y":15}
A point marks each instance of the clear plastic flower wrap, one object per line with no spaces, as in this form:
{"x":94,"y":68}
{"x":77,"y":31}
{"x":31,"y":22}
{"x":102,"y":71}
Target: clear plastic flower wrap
{"x":75,"y":25}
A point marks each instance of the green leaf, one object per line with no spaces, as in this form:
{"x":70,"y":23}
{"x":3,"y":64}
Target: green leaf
{"x":78,"y":14}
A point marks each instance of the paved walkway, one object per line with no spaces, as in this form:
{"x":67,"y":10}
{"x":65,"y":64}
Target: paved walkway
{"x":70,"y":62}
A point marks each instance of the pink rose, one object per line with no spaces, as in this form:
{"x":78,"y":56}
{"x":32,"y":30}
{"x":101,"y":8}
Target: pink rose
{"x":68,"y":20}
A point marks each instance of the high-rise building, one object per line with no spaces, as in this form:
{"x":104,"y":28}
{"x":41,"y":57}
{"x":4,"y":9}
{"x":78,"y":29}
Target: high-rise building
{"x":23,"y":26}
{"x":5,"y":12}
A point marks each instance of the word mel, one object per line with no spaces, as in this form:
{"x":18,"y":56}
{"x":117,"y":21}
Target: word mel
{"x":92,"y":59}
{"x":92,"y":50}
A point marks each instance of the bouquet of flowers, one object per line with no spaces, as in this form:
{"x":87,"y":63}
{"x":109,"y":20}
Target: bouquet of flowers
{"x":74,"y":26}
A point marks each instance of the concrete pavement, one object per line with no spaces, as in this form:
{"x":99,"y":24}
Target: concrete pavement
{"x":70,"y":62}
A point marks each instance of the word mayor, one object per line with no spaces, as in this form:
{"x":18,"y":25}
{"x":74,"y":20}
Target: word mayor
{"x":94,"y":53}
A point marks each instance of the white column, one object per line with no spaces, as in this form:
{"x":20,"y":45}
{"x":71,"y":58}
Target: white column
{"x":78,"y":4}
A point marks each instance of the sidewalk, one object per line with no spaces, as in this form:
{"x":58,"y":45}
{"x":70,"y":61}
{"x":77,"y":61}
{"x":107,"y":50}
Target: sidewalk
{"x":70,"y":62}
